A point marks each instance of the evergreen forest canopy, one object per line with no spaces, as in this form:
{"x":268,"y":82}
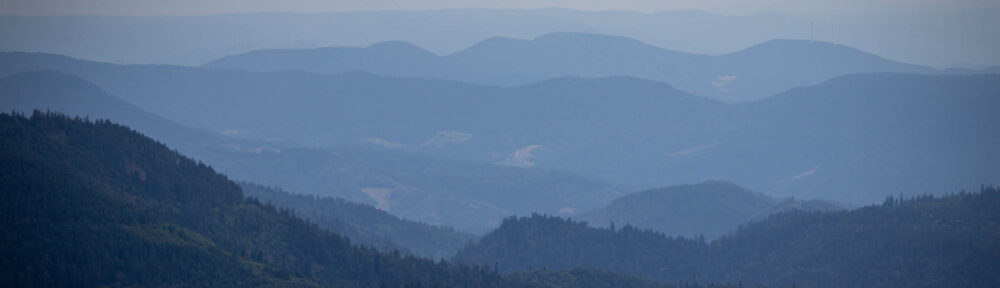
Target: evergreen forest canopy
{"x":923,"y":241}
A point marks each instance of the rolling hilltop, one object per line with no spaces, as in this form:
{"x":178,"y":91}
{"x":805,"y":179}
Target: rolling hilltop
{"x":746,"y":75}
{"x":710,"y":209}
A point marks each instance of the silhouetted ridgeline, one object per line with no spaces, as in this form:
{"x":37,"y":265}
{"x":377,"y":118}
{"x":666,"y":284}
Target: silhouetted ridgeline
{"x":918,"y":242}
{"x":746,"y":75}
{"x":945,"y":37}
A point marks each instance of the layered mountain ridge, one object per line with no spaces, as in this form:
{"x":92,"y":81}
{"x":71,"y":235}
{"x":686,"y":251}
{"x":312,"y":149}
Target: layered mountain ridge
{"x":746,"y":75}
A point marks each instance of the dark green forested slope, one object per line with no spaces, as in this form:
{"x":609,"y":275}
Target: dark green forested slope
{"x":543,"y":242}
{"x":919,"y":242}
{"x":97,"y":204}
{"x":365,"y":224}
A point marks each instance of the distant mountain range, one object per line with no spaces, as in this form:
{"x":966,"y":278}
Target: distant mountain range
{"x":917,"y":242}
{"x":854,"y":138}
{"x":746,"y":75}
{"x":944,"y":37}
{"x":710,"y":209}
{"x":468,"y":196}
{"x":523,"y":148}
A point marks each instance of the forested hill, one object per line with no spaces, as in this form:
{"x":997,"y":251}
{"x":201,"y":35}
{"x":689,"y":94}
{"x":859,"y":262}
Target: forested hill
{"x":544,"y":242}
{"x":365,"y":224}
{"x":710,"y":209}
{"x":952,"y":241}
{"x":97,"y":204}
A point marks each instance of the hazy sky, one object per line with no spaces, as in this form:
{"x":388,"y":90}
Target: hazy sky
{"x":189,"y":7}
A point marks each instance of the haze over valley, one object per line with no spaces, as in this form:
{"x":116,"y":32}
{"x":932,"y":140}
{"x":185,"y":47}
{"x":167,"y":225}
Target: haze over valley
{"x":552,"y":147}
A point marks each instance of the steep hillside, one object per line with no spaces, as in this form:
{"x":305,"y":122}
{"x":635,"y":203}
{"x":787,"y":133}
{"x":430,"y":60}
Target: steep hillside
{"x":917,"y":242}
{"x":709,"y":209}
{"x":97,"y":204}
